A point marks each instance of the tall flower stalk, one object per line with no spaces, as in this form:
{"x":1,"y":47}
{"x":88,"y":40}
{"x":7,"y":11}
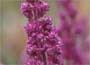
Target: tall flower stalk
{"x":43,"y":44}
{"x":70,"y":31}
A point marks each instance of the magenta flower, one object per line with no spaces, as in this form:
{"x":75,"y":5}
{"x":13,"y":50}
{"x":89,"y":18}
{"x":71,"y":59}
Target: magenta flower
{"x":43,"y":44}
{"x":34,"y":9}
{"x":70,"y":31}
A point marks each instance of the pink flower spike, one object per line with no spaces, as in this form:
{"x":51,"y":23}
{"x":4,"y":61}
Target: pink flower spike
{"x":43,"y":43}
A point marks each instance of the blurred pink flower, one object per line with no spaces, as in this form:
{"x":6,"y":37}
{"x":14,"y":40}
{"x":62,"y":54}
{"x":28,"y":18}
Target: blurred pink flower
{"x":1,"y":64}
{"x":71,"y":31}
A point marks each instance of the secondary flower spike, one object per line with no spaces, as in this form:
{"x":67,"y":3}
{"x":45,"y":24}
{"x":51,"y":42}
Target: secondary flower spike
{"x":70,"y":31}
{"x":43,"y":44}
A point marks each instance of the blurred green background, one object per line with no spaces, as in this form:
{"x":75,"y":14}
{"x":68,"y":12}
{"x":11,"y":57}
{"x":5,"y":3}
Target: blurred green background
{"x":12,"y":34}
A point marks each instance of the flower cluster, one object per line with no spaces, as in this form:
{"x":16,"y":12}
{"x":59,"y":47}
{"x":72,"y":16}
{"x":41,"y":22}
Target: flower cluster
{"x":43,"y":41}
{"x":34,"y":9}
{"x":43,"y":44}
